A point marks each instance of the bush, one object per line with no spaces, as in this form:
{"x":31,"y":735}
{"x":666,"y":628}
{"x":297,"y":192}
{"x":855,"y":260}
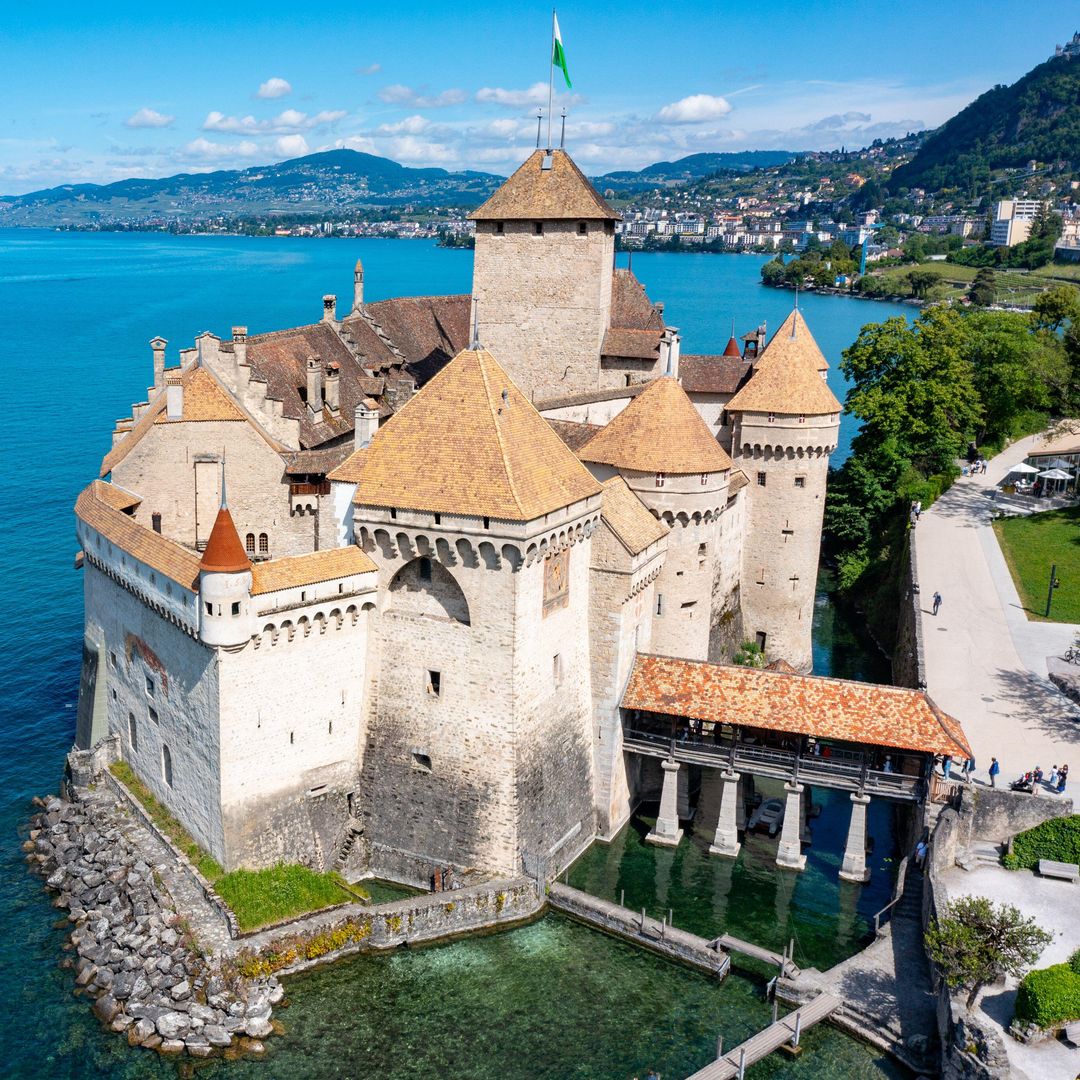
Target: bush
{"x":1074,"y":961}
{"x":1057,"y":839}
{"x":1049,"y":996}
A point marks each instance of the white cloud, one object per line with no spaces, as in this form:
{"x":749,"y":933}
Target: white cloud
{"x":695,"y":109}
{"x":418,"y":99}
{"x":148,"y":118}
{"x":411,"y":125}
{"x":291,"y":146}
{"x":201,"y":149}
{"x":371,"y":69}
{"x":274,"y":88}
{"x":536,"y":94}
{"x":289,"y":122}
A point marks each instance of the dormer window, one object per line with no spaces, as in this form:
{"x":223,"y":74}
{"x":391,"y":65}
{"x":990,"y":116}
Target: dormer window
{"x":772,"y":418}
{"x":539,"y":227}
{"x":659,"y":479}
{"x":583,"y":228}
{"x":500,"y":228}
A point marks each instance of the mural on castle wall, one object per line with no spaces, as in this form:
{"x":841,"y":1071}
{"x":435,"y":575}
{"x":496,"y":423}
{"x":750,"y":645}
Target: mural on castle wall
{"x":556,"y":581}
{"x":134,"y":645}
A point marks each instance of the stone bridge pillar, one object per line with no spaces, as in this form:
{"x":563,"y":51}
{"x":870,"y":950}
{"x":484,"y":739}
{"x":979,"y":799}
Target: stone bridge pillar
{"x":726,"y":841}
{"x":789,"y":854}
{"x":666,"y":831}
{"x":854,"y":866}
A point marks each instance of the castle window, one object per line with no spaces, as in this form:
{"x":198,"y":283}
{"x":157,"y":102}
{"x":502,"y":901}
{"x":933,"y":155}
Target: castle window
{"x":760,"y":479}
{"x":112,"y":660}
{"x":152,"y":713}
{"x":583,"y":228}
{"x":802,"y":418}
{"x":425,"y":569}
{"x":787,"y":532}
{"x":236,"y":607}
{"x":659,"y":604}
{"x":249,"y":543}
{"x":421,"y":762}
{"x":487,"y":523}
{"x":155,"y":522}
{"x":209,"y":608}
{"x":133,"y":733}
{"x":659,"y":479}
{"x":292,"y":737}
{"x":772,"y":418}
{"x":704,"y":478}
{"x":393,"y":513}
{"x":264,"y":544}
{"x":759,"y":637}
{"x":438,"y":519}
{"x":433,"y":683}
{"x":149,"y":686}
{"x":723,"y":418}
{"x":557,"y":669}
{"x":499,"y":228}
{"x":166,"y":765}
{"x":800,"y":481}
{"x":539,"y":228}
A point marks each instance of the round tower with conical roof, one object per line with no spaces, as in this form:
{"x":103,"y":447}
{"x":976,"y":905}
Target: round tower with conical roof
{"x":784,"y":425}
{"x":226,"y":612}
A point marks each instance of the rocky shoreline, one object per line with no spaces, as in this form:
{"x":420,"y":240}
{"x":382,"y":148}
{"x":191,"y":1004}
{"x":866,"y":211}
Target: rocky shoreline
{"x":135,"y":954}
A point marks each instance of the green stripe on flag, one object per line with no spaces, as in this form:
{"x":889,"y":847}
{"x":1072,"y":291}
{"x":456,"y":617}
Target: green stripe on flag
{"x":558,"y":58}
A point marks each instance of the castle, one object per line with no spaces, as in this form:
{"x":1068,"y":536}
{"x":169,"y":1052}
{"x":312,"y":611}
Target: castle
{"x":369,"y":592}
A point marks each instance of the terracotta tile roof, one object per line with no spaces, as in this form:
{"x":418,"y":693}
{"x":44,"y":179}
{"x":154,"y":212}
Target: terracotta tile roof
{"x":165,"y":556}
{"x":317,"y":462}
{"x":572,"y":433}
{"x":640,"y":344}
{"x":113,"y":496}
{"x":787,"y":377}
{"x":588,"y":397}
{"x":278,"y":574}
{"x":428,"y":331}
{"x":659,"y":431}
{"x":280,"y":359}
{"x":732,"y":347}
{"x":712,"y":374}
{"x":204,"y":399}
{"x":533,"y":192}
{"x":827,"y":708}
{"x":350,"y":470}
{"x":737,"y":481}
{"x":224,"y":553}
{"x":626,"y":516}
{"x":631,"y":308}
{"x":470,"y":443}
{"x":782,"y":666}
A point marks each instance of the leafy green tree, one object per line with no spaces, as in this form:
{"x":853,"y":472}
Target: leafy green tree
{"x":984,"y":288}
{"x":772,"y":273}
{"x":975,"y":942}
{"x":888,"y":236}
{"x":922,"y":281}
{"x":915,"y":248}
{"x":1057,"y":308}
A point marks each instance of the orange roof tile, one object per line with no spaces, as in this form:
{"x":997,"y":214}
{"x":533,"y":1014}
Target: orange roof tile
{"x":224,"y":552}
{"x":116,"y":497}
{"x":787,"y":377}
{"x":204,"y":399}
{"x":350,"y":470}
{"x":732,"y":347}
{"x":801,"y":704}
{"x":278,"y":574}
{"x":640,"y":344}
{"x":471,"y":443}
{"x":556,"y":193}
{"x":165,"y":556}
{"x":625,"y":514}
{"x":631,"y":307}
{"x":659,"y":431}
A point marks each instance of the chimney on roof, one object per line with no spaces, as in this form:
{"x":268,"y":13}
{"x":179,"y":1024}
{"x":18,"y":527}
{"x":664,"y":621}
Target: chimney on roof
{"x":174,"y":396}
{"x":669,"y":351}
{"x":239,"y":338}
{"x":367,"y":423}
{"x":333,"y":392}
{"x":314,"y":387}
{"x":329,"y":308}
{"x":358,"y":287}
{"x":158,"y":345}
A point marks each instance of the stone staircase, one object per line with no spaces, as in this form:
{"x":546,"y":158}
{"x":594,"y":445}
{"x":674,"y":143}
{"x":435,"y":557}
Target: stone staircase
{"x":348,"y":844}
{"x":981,"y":853}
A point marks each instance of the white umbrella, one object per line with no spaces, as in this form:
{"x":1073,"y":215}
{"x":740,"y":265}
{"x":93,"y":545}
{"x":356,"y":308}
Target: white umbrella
{"x":1023,"y":468}
{"x":1054,"y":474}
{"x":1066,"y":466}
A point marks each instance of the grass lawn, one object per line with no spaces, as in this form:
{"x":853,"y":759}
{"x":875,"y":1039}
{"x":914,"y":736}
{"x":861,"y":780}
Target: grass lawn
{"x":1031,"y":545}
{"x":257,"y":897}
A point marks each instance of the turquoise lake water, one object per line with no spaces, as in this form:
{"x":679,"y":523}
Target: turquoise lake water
{"x":76,"y":313}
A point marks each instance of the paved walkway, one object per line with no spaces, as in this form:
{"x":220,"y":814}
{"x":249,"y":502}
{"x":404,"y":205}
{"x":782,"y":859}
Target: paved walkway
{"x":985,"y":661}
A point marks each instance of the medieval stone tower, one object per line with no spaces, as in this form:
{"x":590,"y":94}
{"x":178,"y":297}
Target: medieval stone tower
{"x":542,"y":274}
{"x":784,"y":425}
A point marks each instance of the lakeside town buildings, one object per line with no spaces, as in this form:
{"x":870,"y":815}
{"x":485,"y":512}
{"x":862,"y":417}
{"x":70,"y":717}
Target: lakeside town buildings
{"x":369,"y":592}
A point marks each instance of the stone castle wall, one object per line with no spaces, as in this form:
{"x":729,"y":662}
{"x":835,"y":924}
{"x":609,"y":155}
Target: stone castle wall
{"x":787,"y":464}
{"x":544,"y":301}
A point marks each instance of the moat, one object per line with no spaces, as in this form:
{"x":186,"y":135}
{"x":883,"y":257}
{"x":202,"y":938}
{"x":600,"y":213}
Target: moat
{"x":549,"y":999}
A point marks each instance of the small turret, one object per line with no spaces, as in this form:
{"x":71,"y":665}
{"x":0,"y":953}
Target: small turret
{"x":358,"y":287}
{"x":226,"y":616}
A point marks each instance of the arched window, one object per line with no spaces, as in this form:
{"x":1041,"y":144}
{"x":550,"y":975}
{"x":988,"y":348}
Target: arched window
{"x":264,"y":544}
{"x":133,"y":733}
{"x":249,"y":543}
{"x":166,"y":765}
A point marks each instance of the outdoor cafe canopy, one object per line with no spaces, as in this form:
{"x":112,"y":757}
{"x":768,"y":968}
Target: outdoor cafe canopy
{"x":1023,"y":467}
{"x":1054,"y":474}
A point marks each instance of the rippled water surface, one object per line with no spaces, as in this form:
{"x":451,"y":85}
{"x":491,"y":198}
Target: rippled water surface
{"x":76,"y":313}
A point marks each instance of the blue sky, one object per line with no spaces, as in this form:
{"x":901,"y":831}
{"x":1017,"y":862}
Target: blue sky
{"x":92,"y":95}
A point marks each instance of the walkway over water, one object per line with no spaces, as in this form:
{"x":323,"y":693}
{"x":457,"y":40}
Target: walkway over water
{"x":787,"y":1030}
{"x":756,"y":952}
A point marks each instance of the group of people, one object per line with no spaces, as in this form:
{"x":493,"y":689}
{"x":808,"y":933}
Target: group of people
{"x":977,"y":466}
{"x":1034,"y":779}
{"x":916,"y":512}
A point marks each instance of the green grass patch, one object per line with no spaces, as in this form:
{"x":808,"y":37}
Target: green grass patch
{"x":1049,"y":996}
{"x":1031,"y":545}
{"x":259,"y":897}
{"x":166,"y":822}
{"x":1057,"y":840}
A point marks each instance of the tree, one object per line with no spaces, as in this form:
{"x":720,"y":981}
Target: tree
{"x":772,"y":273}
{"x":976,"y":942}
{"x":922,"y":281}
{"x":984,"y":288}
{"x":1057,"y":307}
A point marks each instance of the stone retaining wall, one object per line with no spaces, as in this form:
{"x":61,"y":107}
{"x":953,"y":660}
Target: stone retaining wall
{"x":668,"y":941}
{"x":908,"y":659}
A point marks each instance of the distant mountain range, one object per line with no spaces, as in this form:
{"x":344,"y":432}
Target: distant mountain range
{"x":1035,"y":119}
{"x":324,"y":183}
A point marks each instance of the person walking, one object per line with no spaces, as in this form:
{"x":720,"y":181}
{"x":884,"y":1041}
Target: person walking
{"x":1063,"y":775}
{"x":921,"y":849}
{"x":937,"y":602}
{"x":946,"y":766}
{"x":1052,"y":778}
{"x":995,"y":768}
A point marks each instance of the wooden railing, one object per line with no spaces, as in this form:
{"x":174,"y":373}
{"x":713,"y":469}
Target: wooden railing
{"x":322,"y":488}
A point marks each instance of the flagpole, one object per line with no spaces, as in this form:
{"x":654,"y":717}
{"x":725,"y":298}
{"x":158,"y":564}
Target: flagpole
{"x":551,"y":75}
